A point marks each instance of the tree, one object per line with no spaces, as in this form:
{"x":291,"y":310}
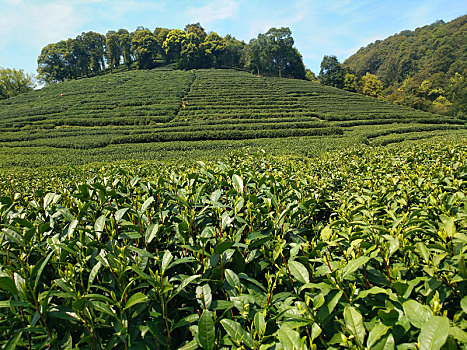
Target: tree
{"x":350,"y":82}
{"x":234,"y":52}
{"x":51,"y":65}
{"x":95,"y":46}
{"x":77,"y":59}
{"x":190,"y":56}
{"x":125,"y":44}
{"x":257,"y":55}
{"x":331,"y":72}
{"x":274,"y":53}
{"x":279,"y":46}
{"x":173,"y":44}
{"x":442,"y":105}
{"x":457,"y":94}
{"x":113,"y":50}
{"x":144,"y":45}
{"x":293,"y":65}
{"x":213,"y":49}
{"x":309,"y":75}
{"x":14,"y":82}
{"x":197,"y":29}
{"x":161,"y":35}
{"x":371,"y":85}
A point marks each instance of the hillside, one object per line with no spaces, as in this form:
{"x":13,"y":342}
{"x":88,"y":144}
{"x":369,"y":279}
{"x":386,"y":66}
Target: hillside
{"x":161,"y":113}
{"x":424,"y":68}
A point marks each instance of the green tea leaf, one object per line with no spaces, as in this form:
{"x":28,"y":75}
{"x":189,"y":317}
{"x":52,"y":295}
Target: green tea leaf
{"x":93,"y":273}
{"x":375,"y":334}
{"x":354,"y":323}
{"x":99,"y":224}
{"x":289,"y":338}
{"x":458,"y":334}
{"x":353,"y":266}
{"x":14,"y":303}
{"x":385,"y":343}
{"x":13,"y":342}
{"x":41,"y":268}
{"x":237,"y":333}
{"x":203,"y":294}
{"x":206,"y":331}
{"x":136,"y":299}
{"x":166,"y":260}
{"x":7,"y":283}
{"x":260,"y":322}
{"x":193,"y":345}
{"x":238,"y":183}
{"x":151,"y":233}
{"x":146,"y":204}
{"x":464,"y":304}
{"x":299,"y":271}
{"x":186,"y":281}
{"x":434,"y":333}
{"x":120,"y":213}
{"x":223,"y":246}
{"x":417,"y":313}
{"x":232,"y":278}
{"x":423,"y":250}
{"x":332,"y":299}
{"x":326,"y":234}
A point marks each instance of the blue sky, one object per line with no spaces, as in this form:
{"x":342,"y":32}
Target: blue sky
{"x":319,"y":27}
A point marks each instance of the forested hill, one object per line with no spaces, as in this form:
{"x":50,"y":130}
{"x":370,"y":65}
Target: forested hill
{"x":418,"y":67}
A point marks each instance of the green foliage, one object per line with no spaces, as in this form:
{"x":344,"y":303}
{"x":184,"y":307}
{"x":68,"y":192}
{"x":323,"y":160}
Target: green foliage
{"x":113,"y":49}
{"x":144,"y":45}
{"x":14,"y":82}
{"x":351,"y":82}
{"x":273,"y":53}
{"x":354,"y":249}
{"x":331,"y":72}
{"x":371,"y":85}
{"x":163,"y":113}
{"x":433,"y":54}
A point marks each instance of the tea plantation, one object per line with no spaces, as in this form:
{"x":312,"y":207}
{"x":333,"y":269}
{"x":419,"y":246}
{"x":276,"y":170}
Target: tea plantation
{"x":166,"y":114}
{"x":214,"y":209}
{"x":360,"y":249}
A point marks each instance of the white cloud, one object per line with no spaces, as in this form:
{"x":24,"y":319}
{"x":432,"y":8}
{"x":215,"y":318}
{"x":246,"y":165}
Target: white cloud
{"x":37,"y":24}
{"x":214,"y":11}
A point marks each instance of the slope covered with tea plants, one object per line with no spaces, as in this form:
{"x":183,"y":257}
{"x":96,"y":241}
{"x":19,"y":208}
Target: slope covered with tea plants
{"x":163,"y":113}
{"x":356,"y":249}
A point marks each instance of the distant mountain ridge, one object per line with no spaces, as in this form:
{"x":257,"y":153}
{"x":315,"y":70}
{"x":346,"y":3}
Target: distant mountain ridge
{"x":435,"y":54}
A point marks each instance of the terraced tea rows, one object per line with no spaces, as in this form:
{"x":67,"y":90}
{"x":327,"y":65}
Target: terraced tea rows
{"x":170,"y":107}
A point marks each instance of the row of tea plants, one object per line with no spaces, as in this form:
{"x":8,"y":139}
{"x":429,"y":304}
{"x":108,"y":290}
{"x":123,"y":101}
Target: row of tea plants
{"x":361,"y":249}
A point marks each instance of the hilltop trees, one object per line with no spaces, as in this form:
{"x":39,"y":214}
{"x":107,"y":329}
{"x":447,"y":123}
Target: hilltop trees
{"x":14,"y":82}
{"x":273,"y":53}
{"x":144,"y":47}
{"x":113,"y":49}
{"x":192,"y":48}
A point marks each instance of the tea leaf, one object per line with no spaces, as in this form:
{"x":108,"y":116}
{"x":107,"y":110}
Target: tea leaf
{"x":434,"y":333}
{"x":206,"y":331}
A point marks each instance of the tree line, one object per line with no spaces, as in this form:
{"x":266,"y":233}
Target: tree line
{"x":92,"y":53}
